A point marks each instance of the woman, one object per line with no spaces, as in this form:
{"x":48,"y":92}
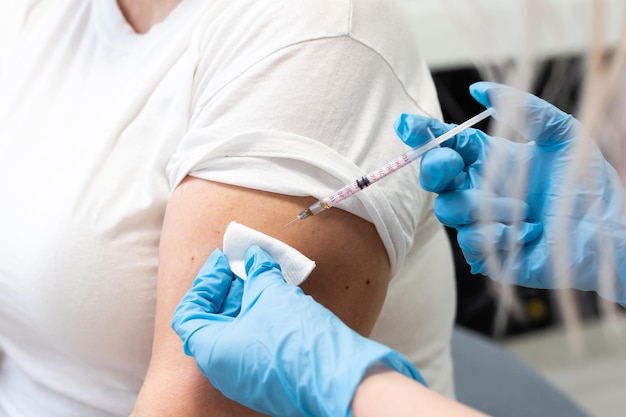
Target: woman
{"x":133,"y":132}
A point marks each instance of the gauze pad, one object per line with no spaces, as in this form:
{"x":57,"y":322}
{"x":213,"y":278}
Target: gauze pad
{"x":238,"y":238}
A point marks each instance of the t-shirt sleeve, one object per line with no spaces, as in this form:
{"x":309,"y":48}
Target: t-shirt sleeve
{"x":306,"y":120}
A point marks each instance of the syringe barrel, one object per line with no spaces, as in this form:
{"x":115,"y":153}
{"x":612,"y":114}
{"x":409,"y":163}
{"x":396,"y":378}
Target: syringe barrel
{"x":340,"y":195}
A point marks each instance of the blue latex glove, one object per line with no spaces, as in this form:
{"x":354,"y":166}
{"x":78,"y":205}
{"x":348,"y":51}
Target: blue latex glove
{"x":283,"y":354}
{"x":560,"y":221}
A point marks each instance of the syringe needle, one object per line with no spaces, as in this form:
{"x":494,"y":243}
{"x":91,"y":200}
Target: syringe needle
{"x":293,"y":221}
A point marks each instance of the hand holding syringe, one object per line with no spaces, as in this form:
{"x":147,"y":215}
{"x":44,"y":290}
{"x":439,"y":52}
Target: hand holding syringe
{"x":387,"y":169}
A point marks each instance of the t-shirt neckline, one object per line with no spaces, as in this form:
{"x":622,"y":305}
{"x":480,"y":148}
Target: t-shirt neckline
{"x":112,"y":24}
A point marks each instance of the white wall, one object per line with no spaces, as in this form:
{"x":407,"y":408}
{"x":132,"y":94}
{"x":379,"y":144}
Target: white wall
{"x":456,"y":33}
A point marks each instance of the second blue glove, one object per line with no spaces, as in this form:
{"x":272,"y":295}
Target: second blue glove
{"x":546,"y":213}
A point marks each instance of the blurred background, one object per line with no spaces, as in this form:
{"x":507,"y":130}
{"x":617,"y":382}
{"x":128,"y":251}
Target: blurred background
{"x":540,"y":47}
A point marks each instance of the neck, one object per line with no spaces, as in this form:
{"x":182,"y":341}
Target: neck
{"x":143,"y":14}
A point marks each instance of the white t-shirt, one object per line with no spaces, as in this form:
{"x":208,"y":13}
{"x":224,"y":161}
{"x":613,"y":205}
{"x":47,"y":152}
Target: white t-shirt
{"x":98,"y":124}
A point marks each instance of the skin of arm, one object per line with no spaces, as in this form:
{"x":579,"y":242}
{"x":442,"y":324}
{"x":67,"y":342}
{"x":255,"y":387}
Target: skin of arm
{"x":350,"y":279}
{"x":384,"y":392}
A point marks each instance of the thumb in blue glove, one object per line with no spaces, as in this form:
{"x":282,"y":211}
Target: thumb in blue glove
{"x":284,"y":354}
{"x":538,"y":214}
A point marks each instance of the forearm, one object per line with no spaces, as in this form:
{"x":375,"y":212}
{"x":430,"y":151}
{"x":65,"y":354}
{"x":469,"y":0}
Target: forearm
{"x":384,"y":392}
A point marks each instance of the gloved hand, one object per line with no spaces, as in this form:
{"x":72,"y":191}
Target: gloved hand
{"x":283,"y":354}
{"x":527,"y":213}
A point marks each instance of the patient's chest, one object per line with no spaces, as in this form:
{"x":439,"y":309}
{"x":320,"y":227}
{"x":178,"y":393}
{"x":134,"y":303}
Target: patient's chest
{"x":83,"y":152}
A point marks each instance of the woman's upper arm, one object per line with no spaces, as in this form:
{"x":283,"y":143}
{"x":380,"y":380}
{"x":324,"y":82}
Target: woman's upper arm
{"x":350,"y":278}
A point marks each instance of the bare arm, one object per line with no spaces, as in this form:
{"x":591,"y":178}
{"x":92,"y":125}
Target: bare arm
{"x":350,"y":279}
{"x":389,"y":393}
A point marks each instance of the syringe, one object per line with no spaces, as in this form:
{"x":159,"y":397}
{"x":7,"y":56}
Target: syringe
{"x":387,"y":169}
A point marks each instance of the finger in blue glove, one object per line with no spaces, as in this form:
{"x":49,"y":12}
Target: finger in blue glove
{"x":534,"y":118}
